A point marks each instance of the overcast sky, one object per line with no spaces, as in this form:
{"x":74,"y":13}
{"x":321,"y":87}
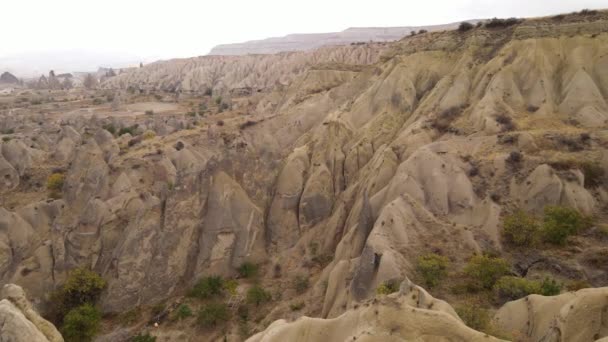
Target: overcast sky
{"x":183,"y":28}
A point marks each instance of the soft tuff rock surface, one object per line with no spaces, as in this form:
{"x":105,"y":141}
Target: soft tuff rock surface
{"x":19,"y":322}
{"x":572,"y":316}
{"x":410,"y":315}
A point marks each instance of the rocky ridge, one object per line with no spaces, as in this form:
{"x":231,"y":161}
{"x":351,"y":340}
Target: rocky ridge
{"x":305,"y":42}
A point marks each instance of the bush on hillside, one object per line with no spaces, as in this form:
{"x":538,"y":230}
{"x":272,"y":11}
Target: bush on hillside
{"x":594,"y":174}
{"x":511,"y":288}
{"x":257,"y":295}
{"x":483,"y":271}
{"x":110,"y":128}
{"x":81,"y":287}
{"x":55,"y":182}
{"x":433,"y":268}
{"x":300,"y":283}
{"x":148,"y":135}
{"x":183,"y":311}
{"x":387,"y":287}
{"x":143,"y":338}
{"x":561,"y":222}
{"x":130,"y":130}
{"x":550,"y":287}
{"x":521,"y":229}
{"x":465,"y":26}
{"x":208,"y":287}
{"x":501,"y":23}
{"x":474,"y":316}
{"x":81,"y":324}
{"x":213,"y":314}
{"x":248,"y":270}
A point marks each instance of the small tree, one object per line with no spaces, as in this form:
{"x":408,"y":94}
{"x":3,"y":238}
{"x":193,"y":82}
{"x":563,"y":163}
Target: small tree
{"x":521,"y":229}
{"x":81,"y":324}
{"x":561,"y":222}
{"x":474,"y":316}
{"x":208,"y":287}
{"x":143,"y":338}
{"x":550,"y":287}
{"x":248,"y":270}
{"x":257,"y":295}
{"x":300,"y":283}
{"x":512,"y":288}
{"x":465,"y":26}
{"x":432,"y":268}
{"x":183,"y":311}
{"x":213,"y":314}
{"x":55,"y":182}
{"x":82,"y":286}
{"x":387,"y":287}
{"x":484,"y":271}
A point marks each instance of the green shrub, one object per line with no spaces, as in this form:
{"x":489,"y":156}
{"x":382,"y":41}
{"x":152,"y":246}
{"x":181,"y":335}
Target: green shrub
{"x":550,"y":287}
{"x":149,"y":112}
{"x":484,"y":271}
{"x":561,"y":222}
{"x":82,"y":286}
{"x":208,"y":287}
{"x":129,"y":317}
{"x":125,"y":130}
{"x":465,"y":26}
{"x":296,"y":306}
{"x":575,"y":285}
{"x":213,"y":314}
{"x":218,"y":100}
{"x":257,"y":295}
{"x":248,"y":270}
{"x":594,"y":174}
{"x":512,"y":288}
{"x":322,"y":260}
{"x":231,"y":285}
{"x":300,"y":283}
{"x":474,"y":316}
{"x":387,"y":287}
{"x":158,"y":309}
{"x":110,"y":128}
{"x":148,"y":135}
{"x":6,"y":139}
{"x":143,"y":338}
{"x":521,"y":229}
{"x":55,"y":182}
{"x":501,"y":23}
{"x":81,"y":324}
{"x":433,"y":268}
{"x":183,"y":311}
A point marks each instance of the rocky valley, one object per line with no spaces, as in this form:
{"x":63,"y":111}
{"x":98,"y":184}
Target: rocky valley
{"x":448,"y":186}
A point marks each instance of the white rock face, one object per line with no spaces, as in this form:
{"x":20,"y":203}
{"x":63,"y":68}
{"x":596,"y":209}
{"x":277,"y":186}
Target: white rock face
{"x":19,"y":322}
